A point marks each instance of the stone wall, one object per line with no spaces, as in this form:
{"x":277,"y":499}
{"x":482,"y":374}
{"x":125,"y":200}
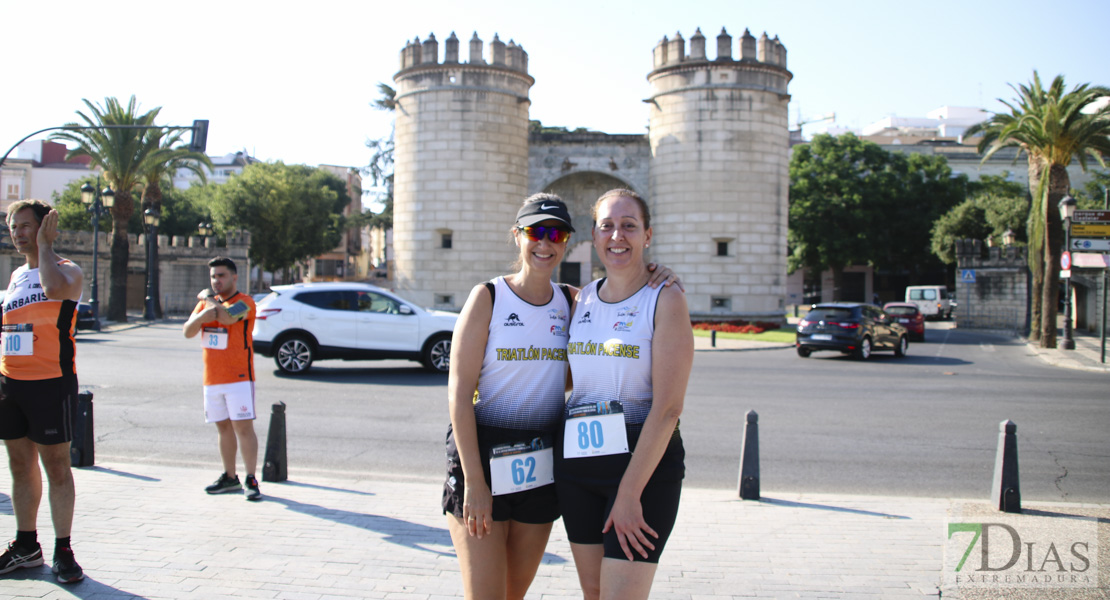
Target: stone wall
{"x":183,"y":266}
{"x":999,"y":297}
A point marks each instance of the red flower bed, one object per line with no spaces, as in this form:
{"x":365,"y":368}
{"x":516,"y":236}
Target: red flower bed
{"x":737,"y":326}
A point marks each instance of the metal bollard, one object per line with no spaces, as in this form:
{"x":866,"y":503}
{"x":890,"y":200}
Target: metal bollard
{"x":1006,"y":491}
{"x":749,"y":458}
{"x":713,"y":338}
{"x":81,"y":447}
{"x":275,"y":467}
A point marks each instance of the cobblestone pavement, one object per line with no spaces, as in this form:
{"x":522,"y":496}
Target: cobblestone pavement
{"x":148,"y":531}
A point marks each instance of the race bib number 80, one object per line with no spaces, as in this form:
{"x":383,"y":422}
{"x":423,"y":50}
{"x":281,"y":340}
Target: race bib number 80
{"x":595,"y":433}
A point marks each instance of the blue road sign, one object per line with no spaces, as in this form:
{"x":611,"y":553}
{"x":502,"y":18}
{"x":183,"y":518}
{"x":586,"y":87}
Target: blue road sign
{"x":967,"y":275}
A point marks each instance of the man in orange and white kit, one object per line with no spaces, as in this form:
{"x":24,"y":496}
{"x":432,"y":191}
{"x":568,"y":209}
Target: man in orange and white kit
{"x":224,"y":317}
{"x":38,"y":389}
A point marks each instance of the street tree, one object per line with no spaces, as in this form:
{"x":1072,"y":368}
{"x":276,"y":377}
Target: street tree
{"x":994,"y":206}
{"x":1052,"y":127}
{"x":853,"y":203}
{"x":120,"y":154}
{"x":380,"y":168}
{"x":293,"y":212}
{"x":158,"y":168}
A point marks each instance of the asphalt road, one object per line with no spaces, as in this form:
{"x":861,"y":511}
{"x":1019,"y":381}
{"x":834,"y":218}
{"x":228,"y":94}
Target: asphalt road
{"x":923,"y":425}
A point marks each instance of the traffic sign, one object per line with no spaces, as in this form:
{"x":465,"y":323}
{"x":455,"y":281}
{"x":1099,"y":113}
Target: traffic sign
{"x":1065,"y":260}
{"x":967,"y":275}
{"x":1090,"y":245}
{"x":1091,"y":216}
{"x":1095,"y":230}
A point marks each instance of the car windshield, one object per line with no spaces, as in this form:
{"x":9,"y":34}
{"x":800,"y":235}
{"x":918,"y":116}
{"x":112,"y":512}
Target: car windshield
{"x":829,"y":314}
{"x":901,"y":310}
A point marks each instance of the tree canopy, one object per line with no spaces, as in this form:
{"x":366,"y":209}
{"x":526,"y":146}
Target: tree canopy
{"x":293,"y":212}
{"x":851,"y":202}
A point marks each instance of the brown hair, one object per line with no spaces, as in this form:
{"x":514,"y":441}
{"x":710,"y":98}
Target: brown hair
{"x":40,"y":208}
{"x":626,"y":193}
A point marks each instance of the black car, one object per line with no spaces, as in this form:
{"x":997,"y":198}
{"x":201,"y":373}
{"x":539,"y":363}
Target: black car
{"x":852,"y":328}
{"x":85,"y":319}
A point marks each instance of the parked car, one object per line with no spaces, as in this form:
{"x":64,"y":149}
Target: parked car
{"x":932,"y":300}
{"x":909,"y":316}
{"x":85,"y":318}
{"x":851,"y":328}
{"x":305,"y":322}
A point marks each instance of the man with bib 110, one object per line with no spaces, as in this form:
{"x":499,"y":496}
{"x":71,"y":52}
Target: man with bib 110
{"x":223,"y":317}
{"x":38,"y":390}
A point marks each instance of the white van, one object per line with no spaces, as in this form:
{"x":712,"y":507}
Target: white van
{"x":932,"y":300}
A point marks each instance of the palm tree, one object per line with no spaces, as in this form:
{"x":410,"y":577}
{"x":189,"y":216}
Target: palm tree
{"x":120,"y":154}
{"x":170,"y":157}
{"x":1052,"y":127}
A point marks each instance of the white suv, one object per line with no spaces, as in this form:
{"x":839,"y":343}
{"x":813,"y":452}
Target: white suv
{"x":305,"y":322}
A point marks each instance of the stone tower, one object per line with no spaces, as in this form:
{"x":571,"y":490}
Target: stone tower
{"x":719,"y":173}
{"x":460,"y":166}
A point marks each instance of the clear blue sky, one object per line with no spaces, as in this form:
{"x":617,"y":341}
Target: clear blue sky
{"x":294,"y":81}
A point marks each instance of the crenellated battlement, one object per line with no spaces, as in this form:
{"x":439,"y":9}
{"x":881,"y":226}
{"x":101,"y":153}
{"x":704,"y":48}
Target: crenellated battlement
{"x":671,"y":52}
{"x":425,"y":53}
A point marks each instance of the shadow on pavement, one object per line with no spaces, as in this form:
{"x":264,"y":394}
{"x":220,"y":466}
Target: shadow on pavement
{"x":108,"y":471}
{"x":86,"y":588}
{"x":320,"y":487}
{"x":840,"y":509}
{"x":414,"y":376}
{"x":396,"y":531}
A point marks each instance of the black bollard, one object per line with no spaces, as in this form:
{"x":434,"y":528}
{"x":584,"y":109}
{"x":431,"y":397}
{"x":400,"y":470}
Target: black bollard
{"x":81,"y":447}
{"x":275,"y":467}
{"x":749,"y":458}
{"x":1006,"y":491}
{"x":713,"y":338}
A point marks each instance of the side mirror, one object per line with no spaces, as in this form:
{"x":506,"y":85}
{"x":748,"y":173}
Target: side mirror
{"x":405,"y":309}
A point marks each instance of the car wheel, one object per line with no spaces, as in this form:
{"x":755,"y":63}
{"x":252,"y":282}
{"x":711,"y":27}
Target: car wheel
{"x":864,"y":350}
{"x":804,"y":352}
{"x":437,"y":354}
{"x":294,"y":355}
{"x":903,"y":345}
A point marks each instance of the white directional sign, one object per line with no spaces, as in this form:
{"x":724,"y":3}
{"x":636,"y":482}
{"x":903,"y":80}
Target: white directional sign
{"x":1088,"y":245}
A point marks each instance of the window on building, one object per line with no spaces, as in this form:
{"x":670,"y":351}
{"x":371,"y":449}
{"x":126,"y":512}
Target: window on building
{"x":722,"y":248}
{"x":445,"y":238}
{"x":722,"y":243}
{"x":445,"y":300}
{"x":720,"y":303}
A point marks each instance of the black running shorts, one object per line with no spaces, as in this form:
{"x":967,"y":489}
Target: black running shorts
{"x":42,"y":410}
{"x":587,"y":489}
{"x":535,"y":506}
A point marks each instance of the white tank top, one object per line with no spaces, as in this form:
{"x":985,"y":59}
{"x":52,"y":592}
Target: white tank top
{"x":610,"y":350}
{"x":523,"y":377}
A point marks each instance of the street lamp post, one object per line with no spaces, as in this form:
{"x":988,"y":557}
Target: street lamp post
{"x":150,"y":218}
{"x":96,"y":202}
{"x":1067,"y":209}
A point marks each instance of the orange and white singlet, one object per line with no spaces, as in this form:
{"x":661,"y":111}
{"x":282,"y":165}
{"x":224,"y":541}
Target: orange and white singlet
{"x":228,"y":349}
{"x":37,"y":331}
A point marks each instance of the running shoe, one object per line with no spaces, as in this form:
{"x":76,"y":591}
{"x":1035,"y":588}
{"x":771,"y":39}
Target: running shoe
{"x":225,"y":485}
{"x":20,"y":558}
{"x":66,"y":567}
{"x":253,"y":493}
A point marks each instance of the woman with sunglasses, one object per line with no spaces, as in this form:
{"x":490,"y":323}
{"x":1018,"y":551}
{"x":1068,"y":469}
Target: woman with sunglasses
{"x":619,"y":461}
{"x":506,"y":393}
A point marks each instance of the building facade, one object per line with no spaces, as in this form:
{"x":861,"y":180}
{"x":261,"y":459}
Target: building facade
{"x":713,"y":167}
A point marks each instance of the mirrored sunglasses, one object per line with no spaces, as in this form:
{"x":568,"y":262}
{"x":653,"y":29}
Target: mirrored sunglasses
{"x":537,"y":233}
